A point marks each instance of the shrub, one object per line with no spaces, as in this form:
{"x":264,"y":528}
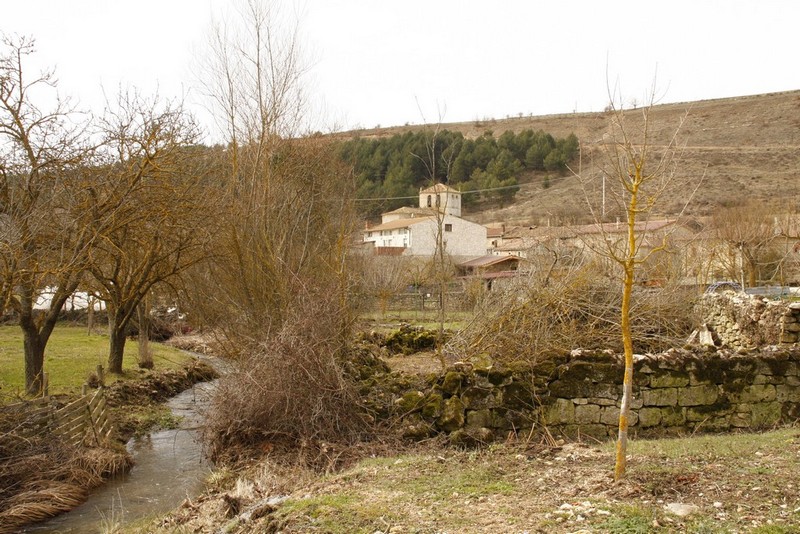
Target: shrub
{"x":292,"y":391}
{"x":578,"y":310}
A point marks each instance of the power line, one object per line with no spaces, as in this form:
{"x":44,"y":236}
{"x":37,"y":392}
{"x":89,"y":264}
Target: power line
{"x":518,"y":186}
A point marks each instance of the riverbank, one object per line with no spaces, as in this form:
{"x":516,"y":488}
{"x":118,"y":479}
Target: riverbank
{"x":743,"y":482}
{"x":41,"y":477}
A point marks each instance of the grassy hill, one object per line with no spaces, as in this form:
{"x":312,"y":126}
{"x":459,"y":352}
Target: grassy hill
{"x":744,"y":147}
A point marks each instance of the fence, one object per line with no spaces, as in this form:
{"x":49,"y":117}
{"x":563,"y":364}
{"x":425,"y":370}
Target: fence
{"x":84,"y":421}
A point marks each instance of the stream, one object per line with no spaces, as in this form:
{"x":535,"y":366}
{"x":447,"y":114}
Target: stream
{"x":169,"y":467}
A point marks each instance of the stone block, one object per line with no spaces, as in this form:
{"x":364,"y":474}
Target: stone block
{"x":785,"y":393}
{"x":792,"y":327}
{"x":698,"y":395}
{"x":432,"y":407}
{"x":758,"y":393}
{"x":452,"y":382}
{"x":518,"y":396}
{"x":610,"y":416}
{"x":660,"y":397}
{"x":518,"y":419}
{"x":601,"y":401}
{"x":740,"y":420}
{"x":452,"y":417}
{"x":476,"y":398}
{"x":649,"y":417}
{"x":562,"y":411}
{"x":789,"y":337}
{"x":672,"y":379}
{"x":571,"y":389}
{"x":587,"y":413}
{"x":478,"y":419}
{"x":673,"y":416}
{"x":765,"y":414}
{"x":714,"y":424}
{"x":592,"y":371}
{"x":703,"y":414}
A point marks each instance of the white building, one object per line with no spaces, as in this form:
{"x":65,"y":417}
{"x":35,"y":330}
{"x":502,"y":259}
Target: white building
{"x":414,"y":231}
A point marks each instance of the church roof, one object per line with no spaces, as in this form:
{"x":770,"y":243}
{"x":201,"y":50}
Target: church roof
{"x":439,"y":188}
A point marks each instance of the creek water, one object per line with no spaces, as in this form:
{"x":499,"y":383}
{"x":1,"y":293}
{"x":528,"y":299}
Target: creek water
{"x":169,"y":467}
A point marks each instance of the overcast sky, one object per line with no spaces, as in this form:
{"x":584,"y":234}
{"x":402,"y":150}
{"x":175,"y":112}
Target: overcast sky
{"x":378,"y":62}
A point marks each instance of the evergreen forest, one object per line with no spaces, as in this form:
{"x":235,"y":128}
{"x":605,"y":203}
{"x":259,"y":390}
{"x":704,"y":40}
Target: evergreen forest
{"x":487,"y":168}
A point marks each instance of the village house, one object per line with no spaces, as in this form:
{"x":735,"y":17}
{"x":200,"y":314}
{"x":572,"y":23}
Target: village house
{"x":415,"y":231}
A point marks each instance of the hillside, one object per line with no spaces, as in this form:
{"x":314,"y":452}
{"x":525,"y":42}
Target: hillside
{"x":744,"y":147}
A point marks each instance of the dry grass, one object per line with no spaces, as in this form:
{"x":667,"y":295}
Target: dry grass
{"x":43,"y":478}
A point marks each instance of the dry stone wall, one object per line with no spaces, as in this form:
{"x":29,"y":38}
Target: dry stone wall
{"x":578,"y":395}
{"x":738,"y":320}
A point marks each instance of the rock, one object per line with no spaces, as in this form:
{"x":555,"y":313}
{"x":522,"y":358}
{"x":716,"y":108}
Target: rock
{"x":452,"y":382}
{"x":681,"y":509}
{"x":452,"y":417}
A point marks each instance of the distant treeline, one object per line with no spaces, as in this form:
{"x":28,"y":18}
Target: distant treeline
{"x":398,"y":166}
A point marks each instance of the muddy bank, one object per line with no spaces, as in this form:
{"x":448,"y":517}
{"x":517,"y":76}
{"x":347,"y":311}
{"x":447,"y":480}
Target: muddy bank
{"x":129,"y":400}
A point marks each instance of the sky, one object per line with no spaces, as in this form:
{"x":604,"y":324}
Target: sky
{"x":374,"y":62}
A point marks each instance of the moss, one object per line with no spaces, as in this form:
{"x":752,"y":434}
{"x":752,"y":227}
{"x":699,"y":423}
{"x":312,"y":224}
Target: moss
{"x":452,"y":382}
{"x":452,"y":417}
{"x":410,"y":401}
{"x":432,"y":407}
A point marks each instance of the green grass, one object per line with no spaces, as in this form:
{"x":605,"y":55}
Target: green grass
{"x":710,"y":446}
{"x":71,"y":355}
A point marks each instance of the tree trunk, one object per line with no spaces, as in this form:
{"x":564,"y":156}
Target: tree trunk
{"x":34,"y":359}
{"x":627,"y":382}
{"x":143,"y":318}
{"x":629,"y":267}
{"x":116,"y":332}
{"x":36,"y":331}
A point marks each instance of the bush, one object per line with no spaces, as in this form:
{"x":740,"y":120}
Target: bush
{"x":292,"y":391}
{"x":578,"y":310}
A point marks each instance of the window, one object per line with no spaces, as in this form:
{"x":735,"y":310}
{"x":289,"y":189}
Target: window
{"x":429,"y":201}
{"x":448,"y":227}
{"x":438,"y":200}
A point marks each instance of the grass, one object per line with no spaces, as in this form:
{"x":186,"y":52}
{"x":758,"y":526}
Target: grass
{"x":427,"y":319}
{"x":71,"y":355}
{"x":737,"y":483}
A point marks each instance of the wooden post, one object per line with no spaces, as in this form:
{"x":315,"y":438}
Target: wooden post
{"x":100,"y":376}
{"x":45,"y":384}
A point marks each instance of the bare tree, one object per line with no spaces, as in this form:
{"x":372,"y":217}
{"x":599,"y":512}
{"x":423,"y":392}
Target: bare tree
{"x":642,"y":172}
{"x":283,"y":211}
{"x":749,"y":232}
{"x":277,"y":290}
{"x":156,"y":184}
{"x":43,"y":238}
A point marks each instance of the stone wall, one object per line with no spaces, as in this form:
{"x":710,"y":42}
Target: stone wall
{"x":739,"y":320}
{"x":578,"y":395}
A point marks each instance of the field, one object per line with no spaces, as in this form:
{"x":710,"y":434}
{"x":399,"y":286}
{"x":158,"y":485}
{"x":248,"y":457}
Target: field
{"x":71,"y":355}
